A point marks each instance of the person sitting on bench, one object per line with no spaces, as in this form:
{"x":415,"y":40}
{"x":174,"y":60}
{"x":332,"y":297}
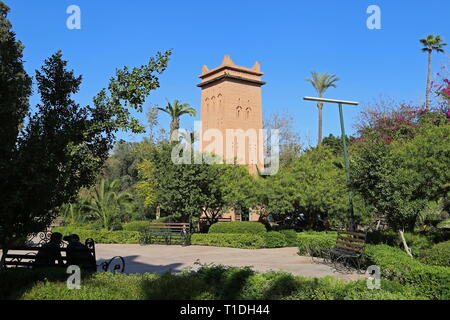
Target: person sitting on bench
{"x":78,"y":254}
{"x":50,"y":252}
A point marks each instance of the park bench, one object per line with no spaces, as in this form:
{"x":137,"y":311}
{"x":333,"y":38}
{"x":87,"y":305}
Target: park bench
{"x":25,"y":257}
{"x":348,"y":250}
{"x":167,"y":231}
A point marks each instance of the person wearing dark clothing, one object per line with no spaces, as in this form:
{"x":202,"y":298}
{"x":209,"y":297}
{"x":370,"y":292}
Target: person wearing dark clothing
{"x":78,"y":254}
{"x":50,"y":252}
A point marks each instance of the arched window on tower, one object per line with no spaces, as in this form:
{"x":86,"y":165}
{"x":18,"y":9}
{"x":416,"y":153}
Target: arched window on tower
{"x":213,"y":104}
{"x":248,"y":111}
{"x":238,"y":112}
{"x":219,"y":97}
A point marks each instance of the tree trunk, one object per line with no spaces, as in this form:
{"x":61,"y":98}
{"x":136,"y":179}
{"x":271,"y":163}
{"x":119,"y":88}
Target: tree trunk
{"x":407,"y":249}
{"x":174,"y":125}
{"x":427,"y":102}
{"x":319,"y":140}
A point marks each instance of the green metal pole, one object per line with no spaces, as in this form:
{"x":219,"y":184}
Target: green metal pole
{"x":347,"y":168}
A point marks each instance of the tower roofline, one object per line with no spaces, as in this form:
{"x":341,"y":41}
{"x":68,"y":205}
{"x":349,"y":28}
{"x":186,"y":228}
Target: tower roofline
{"x":231,"y":77}
{"x":227,"y":63}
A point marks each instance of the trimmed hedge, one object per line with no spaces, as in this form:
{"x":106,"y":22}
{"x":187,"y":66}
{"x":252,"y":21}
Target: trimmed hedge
{"x":274,"y":239}
{"x":209,"y":282}
{"x":243,"y":241}
{"x":438,"y":255}
{"x":291,"y":237}
{"x":102,"y":236}
{"x":314,"y":241}
{"x":138,"y":226}
{"x":431,"y":281}
{"x":238,"y":227}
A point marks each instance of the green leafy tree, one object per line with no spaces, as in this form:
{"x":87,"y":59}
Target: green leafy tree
{"x":314,"y":185}
{"x":175,"y":110}
{"x":399,"y":179}
{"x":147,"y":184}
{"x":430,"y":44}
{"x":321,"y":83}
{"x":52,"y":153}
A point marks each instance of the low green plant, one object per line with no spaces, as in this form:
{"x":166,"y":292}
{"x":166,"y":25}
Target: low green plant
{"x":208,"y":282}
{"x":291,"y":238}
{"x":238,"y":227}
{"x":438,"y":255}
{"x":431,"y":281}
{"x":313,"y":242}
{"x":274,"y":239}
{"x":243,"y":241}
{"x":139,"y":226}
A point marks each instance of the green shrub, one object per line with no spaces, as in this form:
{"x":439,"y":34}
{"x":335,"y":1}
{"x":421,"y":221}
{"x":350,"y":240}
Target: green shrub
{"x":431,"y":281}
{"x":102,"y":236}
{"x":438,"y":255}
{"x":416,"y":242}
{"x":244,"y":241}
{"x":136,"y":226}
{"x":274,"y":239}
{"x":309,"y":242}
{"x":238,"y":227}
{"x":208,"y":282}
{"x":291,"y":238}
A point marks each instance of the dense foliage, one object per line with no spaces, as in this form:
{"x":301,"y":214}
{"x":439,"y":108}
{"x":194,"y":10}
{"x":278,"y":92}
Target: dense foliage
{"x":238,"y":227}
{"x":208,"y":282}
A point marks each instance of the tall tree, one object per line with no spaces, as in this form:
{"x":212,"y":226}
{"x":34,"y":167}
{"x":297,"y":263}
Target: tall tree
{"x":48,"y":155}
{"x":321,"y":82}
{"x":430,"y":44}
{"x":175,"y":110}
{"x":15,"y":89}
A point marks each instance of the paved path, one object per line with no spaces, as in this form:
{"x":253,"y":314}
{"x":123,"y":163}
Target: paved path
{"x":160,"y":259}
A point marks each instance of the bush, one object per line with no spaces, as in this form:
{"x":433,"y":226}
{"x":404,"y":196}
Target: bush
{"x":238,"y":227}
{"x":431,"y":281}
{"x":291,"y":238}
{"x":102,"y":236}
{"x":209,"y":282}
{"x":309,"y":242}
{"x":438,"y":255}
{"x":244,"y":241}
{"x":416,"y":242}
{"x":274,"y":239}
{"x":139,"y":226}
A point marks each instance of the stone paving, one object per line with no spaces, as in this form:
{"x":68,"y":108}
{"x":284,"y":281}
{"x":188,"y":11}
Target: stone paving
{"x":161,"y":258}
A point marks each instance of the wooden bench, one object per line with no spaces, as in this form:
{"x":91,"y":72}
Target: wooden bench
{"x":167,"y":231}
{"x":348,"y":250}
{"x":25,"y":257}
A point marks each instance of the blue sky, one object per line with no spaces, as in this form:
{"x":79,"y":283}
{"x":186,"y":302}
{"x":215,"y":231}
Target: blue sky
{"x":289,"y":38}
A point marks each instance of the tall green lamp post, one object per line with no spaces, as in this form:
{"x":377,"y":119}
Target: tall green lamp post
{"x":344,"y":146}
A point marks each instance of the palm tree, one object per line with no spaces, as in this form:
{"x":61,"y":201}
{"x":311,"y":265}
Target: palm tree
{"x":175,"y":110}
{"x":107,"y":201}
{"x":72,"y":213}
{"x":430,"y":44}
{"x":321,"y":82}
